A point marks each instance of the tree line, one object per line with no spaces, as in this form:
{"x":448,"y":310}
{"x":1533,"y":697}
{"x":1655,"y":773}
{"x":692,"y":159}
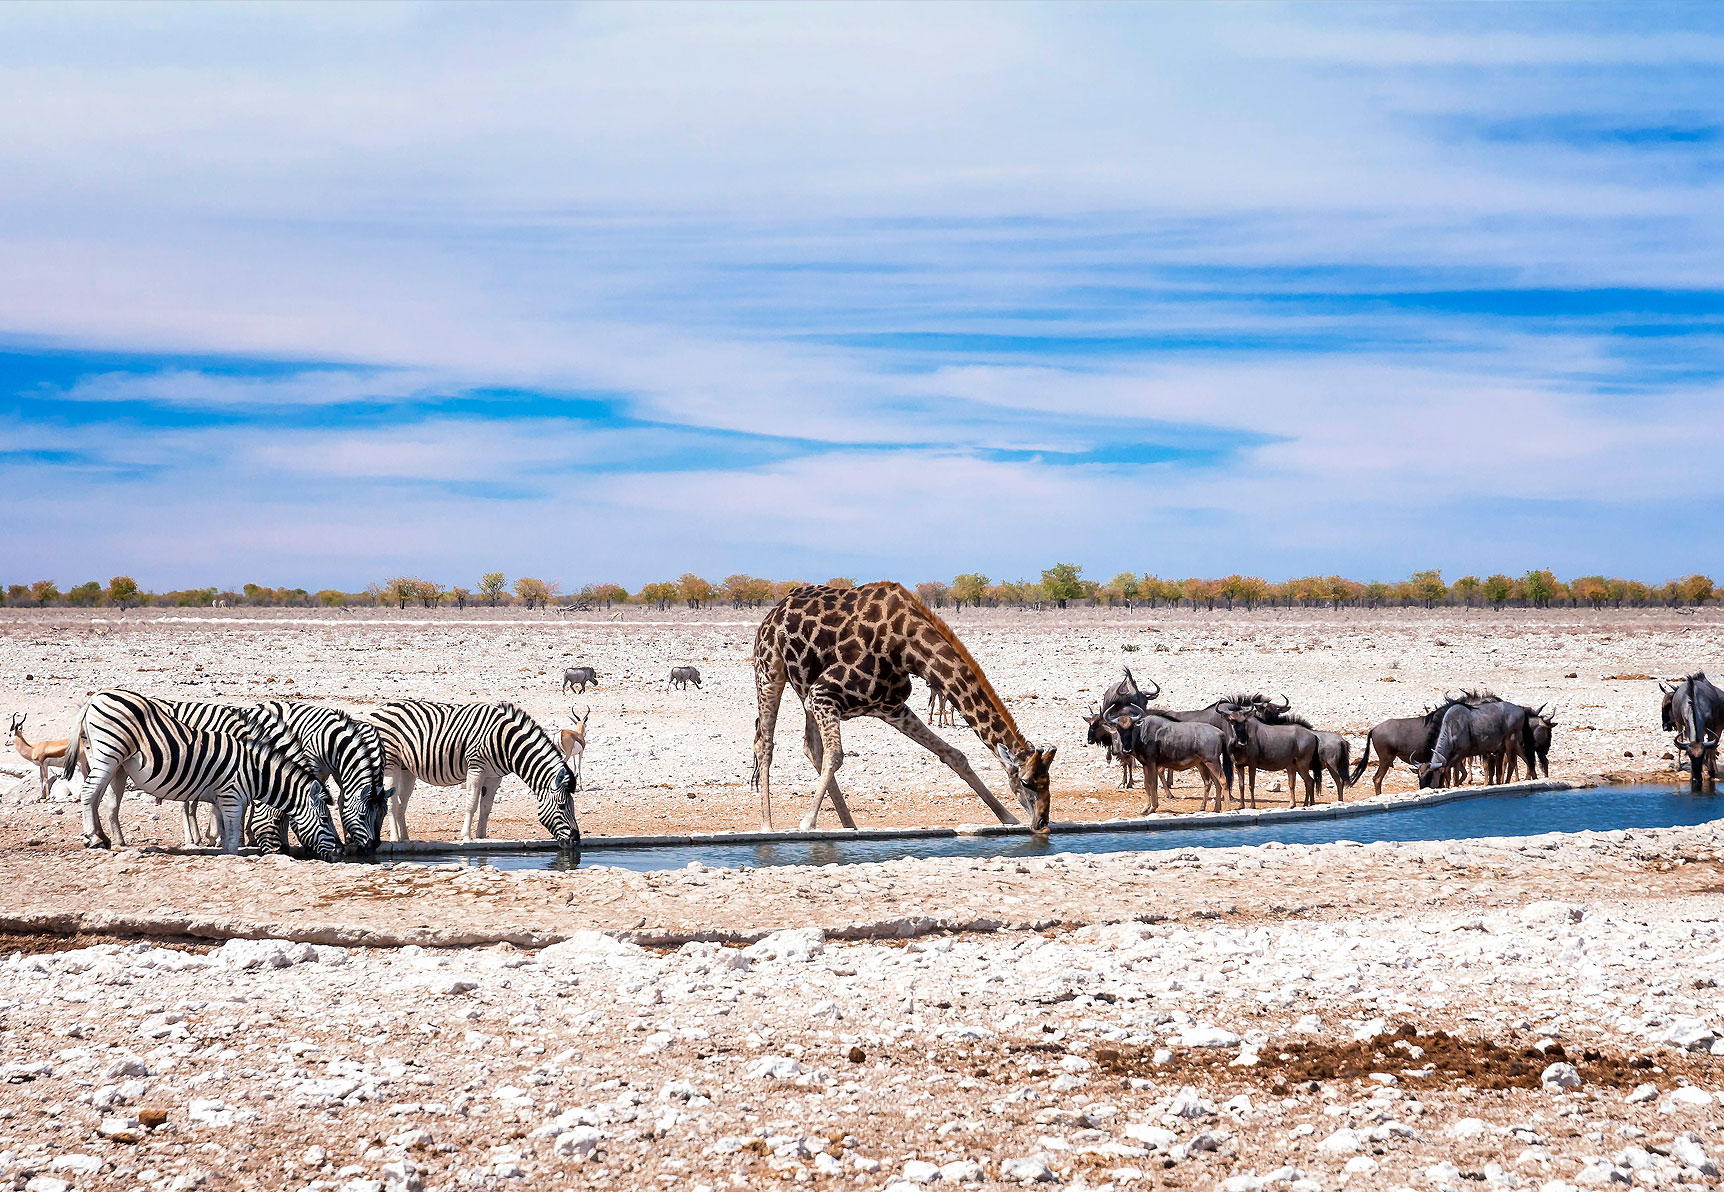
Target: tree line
{"x":1061,"y":586}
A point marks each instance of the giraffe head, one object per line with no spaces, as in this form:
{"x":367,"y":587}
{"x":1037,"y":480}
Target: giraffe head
{"x":1027,"y":772}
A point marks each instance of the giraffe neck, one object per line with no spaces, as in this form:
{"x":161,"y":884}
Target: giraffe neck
{"x":934,"y":656}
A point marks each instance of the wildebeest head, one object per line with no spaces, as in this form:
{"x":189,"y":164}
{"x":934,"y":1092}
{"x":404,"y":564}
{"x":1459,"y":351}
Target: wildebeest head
{"x":1239,"y":720}
{"x":1028,"y":774}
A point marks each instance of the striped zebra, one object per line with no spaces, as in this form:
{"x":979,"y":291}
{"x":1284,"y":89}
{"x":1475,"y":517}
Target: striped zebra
{"x":125,"y":733}
{"x":339,"y":747}
{"x":475,"y":745}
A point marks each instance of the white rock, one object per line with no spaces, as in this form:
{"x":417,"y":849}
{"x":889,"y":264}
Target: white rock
{"x":1560,"y":1077}
{"x":121,"y":1129}
{"x":1691,"y":1034}
{"x":76,"y":1164}
{"x":1187,"y":1104}
{"x":1361,"y":1165}
{"x":443,"y":986}
{"x":797,"y":945}
{"x":1031,"y":1169}
{"x":1155,"y":1137}
{"x":129,"y":1065}
{"x":1341,"y":1142}
{"x":1686,"y":1097}
{"x":1065,"y":1082}
{"x":402,"y":1176}
{"x":1241,"y":1183}
{"x":1687,"y":1150}
{"x":962,"y":1171}
{"x":1643,"y":1093}
{"x":1205,"y":1035}
{"x":591,"y":947}
{"x":411,"y":1140}
{"x":1555,"y":913}
{"x":47,"y":1183}
{"x":920,"y":1171}
{"x":1444,"y":1174}
{"x":577,"y":1141}
{"x":1468,"y":1127}
{"x":774,"y":1067}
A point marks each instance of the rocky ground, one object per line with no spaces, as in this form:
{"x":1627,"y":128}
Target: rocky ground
{"x":1509,"y":1014}
{"x":663,"y":760}
{"x":1538,"y":1012}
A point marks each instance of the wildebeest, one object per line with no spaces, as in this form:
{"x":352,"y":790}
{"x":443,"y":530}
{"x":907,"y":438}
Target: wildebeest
{"x":1695,"y":711}
{"x":1542,"y":722}
{"x":1123,"y":696}
{"x":1334,"y":753}
{"x":1289,"y":746}
{"x":580,"y":677}
{"x":1482,"y":726}
{"x":1160,"y":742}
{"x":1399,"y":740}
{"x":682,"y":676}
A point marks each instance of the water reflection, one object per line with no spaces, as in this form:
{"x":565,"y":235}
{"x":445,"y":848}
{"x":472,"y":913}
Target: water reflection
{"x":1599,"y":809}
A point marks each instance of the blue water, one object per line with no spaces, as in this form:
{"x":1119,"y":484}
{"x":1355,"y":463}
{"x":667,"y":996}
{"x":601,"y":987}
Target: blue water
{"x":1600,"y":809}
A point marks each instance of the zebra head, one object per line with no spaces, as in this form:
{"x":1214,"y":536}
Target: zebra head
{"x":557,"y":809}
{"x":359,"y":770}
{"x":283,"y":782}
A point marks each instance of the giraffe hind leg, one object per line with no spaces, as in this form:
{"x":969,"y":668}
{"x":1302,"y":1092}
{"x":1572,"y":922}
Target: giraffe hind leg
{"x":826,"y":749}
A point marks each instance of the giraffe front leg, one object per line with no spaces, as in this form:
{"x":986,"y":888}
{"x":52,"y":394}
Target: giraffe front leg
{"x":906,"y":722}
{"x":822,"y":740}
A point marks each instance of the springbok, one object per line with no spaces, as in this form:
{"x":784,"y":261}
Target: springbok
{"x":940,"y":710}
{"x":573,"y":743}
{"x":42,"y":752}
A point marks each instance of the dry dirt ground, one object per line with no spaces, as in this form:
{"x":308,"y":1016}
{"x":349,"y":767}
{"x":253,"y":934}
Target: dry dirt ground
{"x":663,"y":760}
{"x":1527,"y":1013}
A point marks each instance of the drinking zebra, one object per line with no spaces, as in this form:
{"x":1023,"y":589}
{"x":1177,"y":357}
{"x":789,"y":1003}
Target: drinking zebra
{"x":131,"y":735}
{"x":474,"y":744}
{"x":340,"y":747}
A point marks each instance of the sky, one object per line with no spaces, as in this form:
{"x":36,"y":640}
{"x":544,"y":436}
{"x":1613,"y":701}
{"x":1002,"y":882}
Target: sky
{"x":313,"y":295}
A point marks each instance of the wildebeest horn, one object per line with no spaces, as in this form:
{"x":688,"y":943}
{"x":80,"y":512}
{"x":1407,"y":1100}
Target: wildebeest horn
{"x":1157,"y":692}
{"x":1285,"y":702}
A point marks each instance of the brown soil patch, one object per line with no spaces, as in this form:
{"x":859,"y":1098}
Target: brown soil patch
{"x":40,"y":942}
{"x":1417,"y":1059}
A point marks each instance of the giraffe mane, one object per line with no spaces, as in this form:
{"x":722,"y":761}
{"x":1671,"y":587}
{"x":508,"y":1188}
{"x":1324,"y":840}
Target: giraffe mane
{"x":944,"y":630}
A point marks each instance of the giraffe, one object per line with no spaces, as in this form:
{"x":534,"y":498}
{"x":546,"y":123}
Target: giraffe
{"x":851,"y":652}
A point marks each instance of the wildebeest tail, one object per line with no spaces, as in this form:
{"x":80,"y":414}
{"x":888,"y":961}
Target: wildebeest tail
{"x":1227,"y":762}
{"x":1316,"y":772}
{"x":1364,"y":760}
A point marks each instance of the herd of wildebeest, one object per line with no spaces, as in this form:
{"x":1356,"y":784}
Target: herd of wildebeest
{"x":262,"y":767}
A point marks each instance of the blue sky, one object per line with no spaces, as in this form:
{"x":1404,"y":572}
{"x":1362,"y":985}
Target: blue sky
{"x":320,"y":294}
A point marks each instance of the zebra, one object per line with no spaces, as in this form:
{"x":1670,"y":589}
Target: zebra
{"x":475,"y":744}
{"x":342,"y":747}
{"x":133,"y":736}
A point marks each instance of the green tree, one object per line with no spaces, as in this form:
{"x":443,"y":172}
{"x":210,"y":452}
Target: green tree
{"x":1498,"y":589}
{"x":1429,"y":587}
{"x":85,"y":594}
{"x":660,"y":594}
{"x":401,"y":590}
{"x":459,"y":596}
{"x":123,"y":591}
{"x":491,"y":585}
{"x":841,"y":581}
{"x":1538,"y":586}
{"x":1594,"y":589}
{"x":428,"y":592}
{"x":1695,"y":589}
{"x":933,"y":593}
{"x":535,"y":592}
{"x":1063,"y":582}
{"x":968,"y":588}
{"x":1376,"y":592}
{"x":1466,"y":589}
{"x":610,"y":594}
{"x":1126,"y":584}
{"x":44,"y":591}
{"x":330,"y":598}
{"x":694,"y":590}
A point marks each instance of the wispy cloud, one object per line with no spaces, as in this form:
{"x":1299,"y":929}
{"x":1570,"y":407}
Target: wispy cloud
{"x":313,"y":293}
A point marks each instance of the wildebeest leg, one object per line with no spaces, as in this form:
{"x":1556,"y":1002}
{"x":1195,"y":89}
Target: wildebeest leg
{"x":906,"y":722}
{"x":1213,"y":780}
{"x":1151,"y":788}
{"x":399,"y":793}
{"x":823,"y":715}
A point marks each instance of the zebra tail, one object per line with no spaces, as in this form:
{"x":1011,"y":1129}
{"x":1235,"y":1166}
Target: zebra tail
{"x":75,"y":746}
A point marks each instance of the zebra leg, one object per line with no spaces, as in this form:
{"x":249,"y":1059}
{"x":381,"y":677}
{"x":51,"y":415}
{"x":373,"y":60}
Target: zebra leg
{"x":230,"y":815}
{"x":398,"y":796}
{"x":475,"y":794}
{"x":109,"y":806}
{"x":487,"y":796}
{"x":97,"y":781}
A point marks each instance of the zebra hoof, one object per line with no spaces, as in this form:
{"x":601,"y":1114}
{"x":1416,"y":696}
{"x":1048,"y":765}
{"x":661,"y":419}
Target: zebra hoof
{"x":91,"y":840}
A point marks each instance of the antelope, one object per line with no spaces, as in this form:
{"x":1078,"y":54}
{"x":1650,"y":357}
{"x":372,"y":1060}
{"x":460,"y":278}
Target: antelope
{"x":572,"y":742}
{"x":42,"y":752}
